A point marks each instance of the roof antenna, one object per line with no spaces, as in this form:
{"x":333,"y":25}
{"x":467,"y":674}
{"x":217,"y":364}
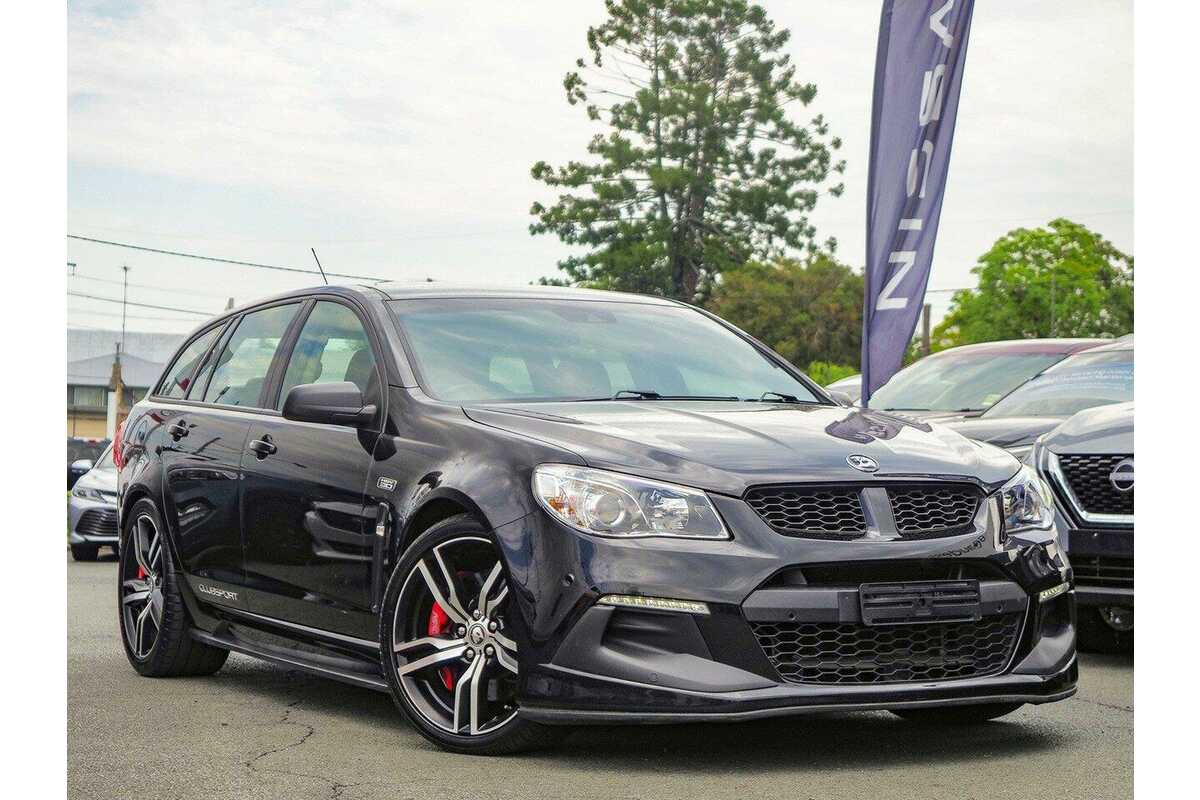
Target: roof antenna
{"x":314,"y":252}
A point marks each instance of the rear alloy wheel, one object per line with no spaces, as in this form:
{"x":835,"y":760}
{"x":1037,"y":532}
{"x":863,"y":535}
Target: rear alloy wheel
{"x":447,"y":646}
{"x":154,"y":621}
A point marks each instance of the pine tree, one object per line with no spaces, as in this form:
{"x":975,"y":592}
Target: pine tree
{"x":701,"y":168}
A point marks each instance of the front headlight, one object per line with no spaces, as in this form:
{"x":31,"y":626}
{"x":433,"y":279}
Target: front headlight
{"x":612,"y":504}
{"x":1027,"y":502}
{"x":87,"y":494}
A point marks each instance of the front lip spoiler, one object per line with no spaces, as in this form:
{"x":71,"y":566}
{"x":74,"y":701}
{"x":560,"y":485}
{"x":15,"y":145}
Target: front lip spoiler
{"x":557,"y":716}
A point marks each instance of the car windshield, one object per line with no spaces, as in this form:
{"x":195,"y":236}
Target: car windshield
{"x":105,"y":460}
{"x":965,"y":381}
{"x":1079,"y":382}
{"x":482,"y":349}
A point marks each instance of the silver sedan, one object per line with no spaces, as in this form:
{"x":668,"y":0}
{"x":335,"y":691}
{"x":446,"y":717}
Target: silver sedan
{"x":92,"y":510}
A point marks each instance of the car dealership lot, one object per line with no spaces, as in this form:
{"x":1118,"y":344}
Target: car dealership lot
{"x":257,"y":730}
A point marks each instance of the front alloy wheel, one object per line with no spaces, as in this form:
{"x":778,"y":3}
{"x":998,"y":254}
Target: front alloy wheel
{"x":142,"y":588}
{"x":451,"y":658}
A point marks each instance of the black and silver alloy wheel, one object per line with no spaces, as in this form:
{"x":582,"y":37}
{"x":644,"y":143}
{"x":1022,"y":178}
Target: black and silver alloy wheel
{"x":448,"y":647}
{"x":142,"y":587}
{"x":154,"y":620}
{"x":460,"y":673}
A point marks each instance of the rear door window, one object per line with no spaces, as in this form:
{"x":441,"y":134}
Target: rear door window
{"x":179,"y":376}
{"x":241,"y":370}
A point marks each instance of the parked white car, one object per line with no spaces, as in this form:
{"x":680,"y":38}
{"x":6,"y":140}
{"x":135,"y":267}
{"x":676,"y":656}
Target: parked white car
{"x":92,"y":510}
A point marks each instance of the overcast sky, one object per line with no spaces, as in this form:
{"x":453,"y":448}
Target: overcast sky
{"x":397,"y":137}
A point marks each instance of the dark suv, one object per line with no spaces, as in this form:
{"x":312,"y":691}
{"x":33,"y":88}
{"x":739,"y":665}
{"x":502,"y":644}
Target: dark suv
{"x":514,"y":510}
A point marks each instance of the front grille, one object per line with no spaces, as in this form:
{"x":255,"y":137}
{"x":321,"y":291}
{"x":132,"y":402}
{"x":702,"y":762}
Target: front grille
{"x":1088,"y":477}
{"x":811,"y":512}
{"x":97,"y":522}
{"x":920,"y":511}
{"x":831,"y":652}
{"x":1103,"y":571}
{"x":933,"y":511}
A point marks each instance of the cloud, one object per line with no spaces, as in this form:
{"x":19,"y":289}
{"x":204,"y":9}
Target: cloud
{"x":399,"y":136}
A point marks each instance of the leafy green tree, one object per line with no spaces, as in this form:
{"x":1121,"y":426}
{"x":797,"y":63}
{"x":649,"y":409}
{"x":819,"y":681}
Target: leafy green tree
{"x":807,"y":311}
{"x":701,"y":168}
{"x":825,"y":373}
{"x":1060,"y":280}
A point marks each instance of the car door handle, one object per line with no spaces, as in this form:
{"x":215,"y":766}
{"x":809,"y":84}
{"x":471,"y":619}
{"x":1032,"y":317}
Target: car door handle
{"x":178,"y":431}
{"x":263,"y":447}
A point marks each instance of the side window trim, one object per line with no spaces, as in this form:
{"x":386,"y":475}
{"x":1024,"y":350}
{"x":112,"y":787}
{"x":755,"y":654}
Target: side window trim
{"x":270,"y":392}
{"x":372,"y":342}
{"x":158,"y":386}
{"x":214,"y":353}
{"x":299,"y":302}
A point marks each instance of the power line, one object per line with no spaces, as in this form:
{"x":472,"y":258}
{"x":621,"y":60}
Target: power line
{"x":235,"y":262}
{"x":148,"y":286}
{"x":113,"y":314}
{"x":142,"y":305}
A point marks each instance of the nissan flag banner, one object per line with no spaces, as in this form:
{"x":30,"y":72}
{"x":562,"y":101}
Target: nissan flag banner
{"x":918,"y":74}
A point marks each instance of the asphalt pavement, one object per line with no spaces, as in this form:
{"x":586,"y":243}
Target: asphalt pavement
{"x":255,"y":730}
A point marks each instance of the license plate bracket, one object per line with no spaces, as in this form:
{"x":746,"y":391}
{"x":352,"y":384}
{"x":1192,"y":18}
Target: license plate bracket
{"x":913,"y":602}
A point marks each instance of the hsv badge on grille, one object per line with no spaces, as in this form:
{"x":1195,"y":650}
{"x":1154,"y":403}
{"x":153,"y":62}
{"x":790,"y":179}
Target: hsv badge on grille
{"x":862,"y":463}
{"x":1121,"y":477}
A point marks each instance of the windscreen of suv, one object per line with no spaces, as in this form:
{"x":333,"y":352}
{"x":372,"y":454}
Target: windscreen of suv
{"x":105,"y":461}
{"x":1083,"y":381}
{"x":488,"y":350}
{"x":969,"y":381}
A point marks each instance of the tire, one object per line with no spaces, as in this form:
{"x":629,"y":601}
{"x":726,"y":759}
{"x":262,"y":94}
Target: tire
{"x":167,"y":650}
{"x":1097,"y":636}
{"x":957,"y":715}
{"x":84,"y":552}
{"x":436,"y":694}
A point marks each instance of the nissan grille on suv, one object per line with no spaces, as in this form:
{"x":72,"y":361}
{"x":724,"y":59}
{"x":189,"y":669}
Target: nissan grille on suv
{"x":1088,"y":461}
{"x":514,"y":510}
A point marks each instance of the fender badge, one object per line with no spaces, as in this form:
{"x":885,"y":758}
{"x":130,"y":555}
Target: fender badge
{"x":214,"y":591}
{"x":387,"y":484}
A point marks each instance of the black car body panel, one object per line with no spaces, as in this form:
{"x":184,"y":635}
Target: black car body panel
{"x":727,"y":448}
{"x":286,"y":532}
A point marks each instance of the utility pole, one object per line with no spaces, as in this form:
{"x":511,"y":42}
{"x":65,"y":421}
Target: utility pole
{"x":124,"y":299}
{"x":925,"y":334}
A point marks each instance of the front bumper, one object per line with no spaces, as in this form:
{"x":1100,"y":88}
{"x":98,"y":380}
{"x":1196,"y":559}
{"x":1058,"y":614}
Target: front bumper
{"x":1103,"y":561}
{"x":582,"y":662}
{"x":91,"y":522}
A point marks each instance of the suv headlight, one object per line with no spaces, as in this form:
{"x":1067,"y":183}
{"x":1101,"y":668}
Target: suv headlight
{"x":87,"y":494}
{"x":612,"y":504}
{"x":1027,"y":502}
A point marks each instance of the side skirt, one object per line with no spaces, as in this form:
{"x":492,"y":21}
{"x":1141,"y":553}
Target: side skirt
{"x":336,"y":666}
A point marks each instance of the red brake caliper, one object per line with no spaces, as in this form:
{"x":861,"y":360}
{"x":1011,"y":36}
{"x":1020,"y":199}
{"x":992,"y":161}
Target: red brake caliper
{"x":438,"y":623}
{"x":141,"y":573}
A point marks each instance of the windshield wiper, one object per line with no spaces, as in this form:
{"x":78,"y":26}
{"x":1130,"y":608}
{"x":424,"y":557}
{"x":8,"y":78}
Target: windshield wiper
{"x":778,"y":397}
{"x":646,"y":394}
{"x":636,"y":394}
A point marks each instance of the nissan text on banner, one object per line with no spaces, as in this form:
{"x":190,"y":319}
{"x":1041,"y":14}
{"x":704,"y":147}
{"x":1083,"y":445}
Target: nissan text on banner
{"x":918,"y":74}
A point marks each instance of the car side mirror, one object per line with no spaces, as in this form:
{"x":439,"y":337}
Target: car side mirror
{"x":841,"y":397}
{"x":340,"y":403}
{"x":81,"y":466}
